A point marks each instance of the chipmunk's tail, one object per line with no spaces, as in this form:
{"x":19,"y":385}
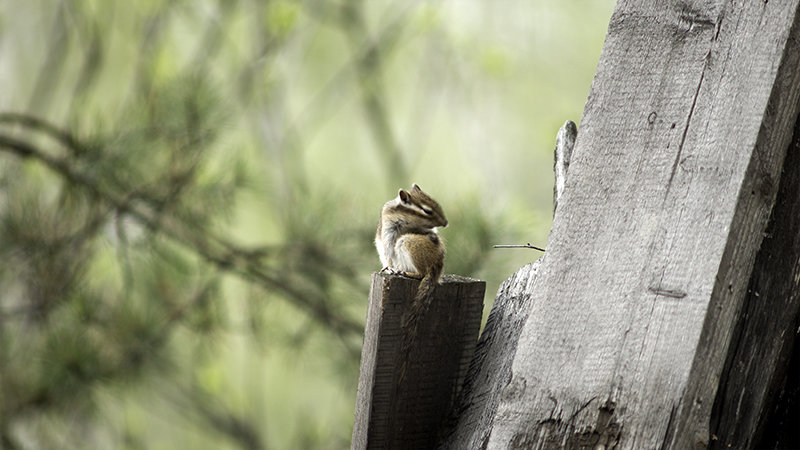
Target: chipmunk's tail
{"x":421,"y":304}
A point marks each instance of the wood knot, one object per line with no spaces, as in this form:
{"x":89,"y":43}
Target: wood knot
{"x":765,"y":186}
{"x":690,"y":19}
{"x":671,"y":293}
{"x":515,"y":389}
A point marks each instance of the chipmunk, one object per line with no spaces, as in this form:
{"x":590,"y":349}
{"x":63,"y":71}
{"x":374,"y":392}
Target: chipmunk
{"x":409,"y":245}
{"x":407,"y":241}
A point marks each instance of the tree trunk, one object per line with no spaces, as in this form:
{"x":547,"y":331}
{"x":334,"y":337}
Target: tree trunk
{"x":640,"y":315}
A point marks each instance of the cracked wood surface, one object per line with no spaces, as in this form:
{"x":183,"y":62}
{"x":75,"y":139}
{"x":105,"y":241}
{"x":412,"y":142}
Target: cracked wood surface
{"x":674,"y":176}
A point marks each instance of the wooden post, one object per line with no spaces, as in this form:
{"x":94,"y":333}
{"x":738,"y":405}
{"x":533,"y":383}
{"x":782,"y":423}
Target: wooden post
{"x":410,"y":414}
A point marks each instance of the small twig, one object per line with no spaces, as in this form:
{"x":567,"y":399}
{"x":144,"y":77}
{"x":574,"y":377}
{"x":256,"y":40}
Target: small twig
{"x":528,"y":245}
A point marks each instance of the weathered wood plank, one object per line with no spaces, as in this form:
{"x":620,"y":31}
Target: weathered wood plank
{"x":671,"y":184}
{"x":391,"y":413}
{"x":775,"y":59}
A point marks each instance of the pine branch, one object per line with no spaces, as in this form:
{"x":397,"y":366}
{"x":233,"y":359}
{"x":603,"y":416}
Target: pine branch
{"x":216,"y":250}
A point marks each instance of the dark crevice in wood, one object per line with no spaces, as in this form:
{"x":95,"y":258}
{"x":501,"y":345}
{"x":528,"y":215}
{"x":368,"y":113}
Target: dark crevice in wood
{"x":779,"y":428}
{"x":758,"y":400}
{"x":778,"y":425}
{"x":670,"y":427}
{"x":686,"y":128}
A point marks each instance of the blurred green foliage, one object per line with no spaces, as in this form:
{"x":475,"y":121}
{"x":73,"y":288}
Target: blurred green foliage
{"x":189,"y":190}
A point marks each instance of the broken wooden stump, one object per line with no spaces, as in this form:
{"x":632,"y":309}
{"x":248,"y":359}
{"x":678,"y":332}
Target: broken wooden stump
{"x":410,"y":412}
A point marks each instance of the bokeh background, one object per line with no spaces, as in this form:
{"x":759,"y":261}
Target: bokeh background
{"x":189,"y":192}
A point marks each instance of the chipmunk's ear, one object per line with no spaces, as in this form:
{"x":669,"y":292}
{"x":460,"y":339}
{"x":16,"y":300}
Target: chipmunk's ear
{"x":415,"y":187}
{"x":405,"y":197}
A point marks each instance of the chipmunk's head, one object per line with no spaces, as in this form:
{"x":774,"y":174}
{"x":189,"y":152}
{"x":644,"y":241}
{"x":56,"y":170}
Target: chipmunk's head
{"x":421,"y":206}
